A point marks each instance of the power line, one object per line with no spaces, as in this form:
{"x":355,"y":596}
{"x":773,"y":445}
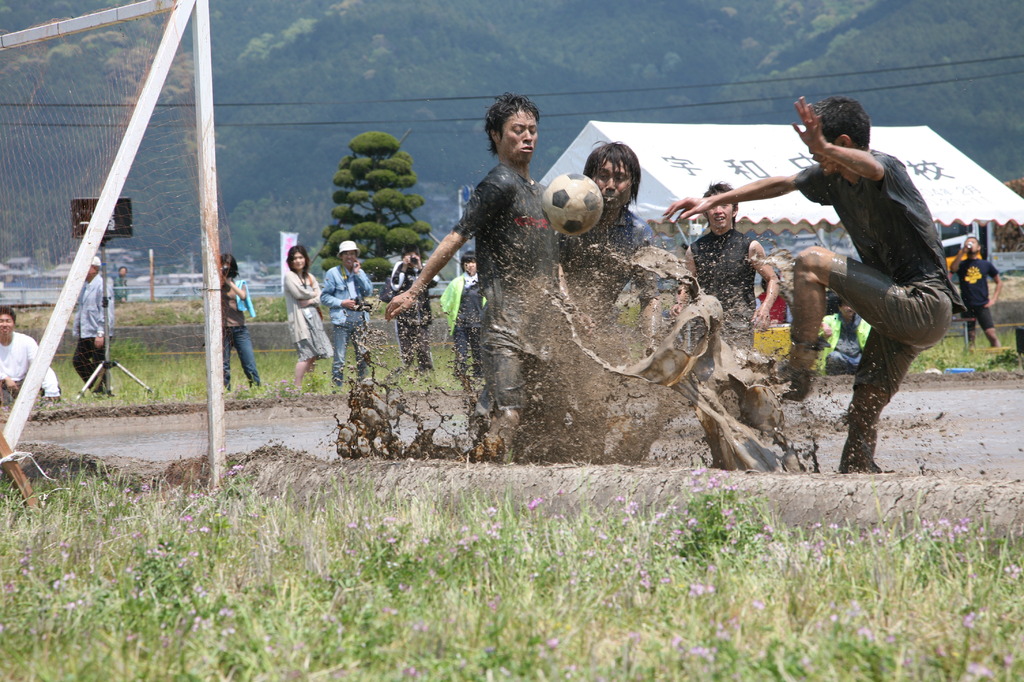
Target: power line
{"x":570,"y":93}
{"x":689,"y":105}
{"x":548,"y":115}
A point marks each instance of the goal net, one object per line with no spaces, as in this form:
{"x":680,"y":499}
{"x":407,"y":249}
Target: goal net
{"x":106,"y":150}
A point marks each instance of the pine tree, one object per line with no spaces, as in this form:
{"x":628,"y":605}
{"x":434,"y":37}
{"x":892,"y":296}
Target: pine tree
{"x":371,"y":208}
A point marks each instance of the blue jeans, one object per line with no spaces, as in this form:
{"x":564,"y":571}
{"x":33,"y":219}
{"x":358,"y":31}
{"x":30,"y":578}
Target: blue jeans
{"x":239,"y":338}
{"x":343,"y":334}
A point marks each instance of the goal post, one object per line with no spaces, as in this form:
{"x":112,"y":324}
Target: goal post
{"x":182,"y":12}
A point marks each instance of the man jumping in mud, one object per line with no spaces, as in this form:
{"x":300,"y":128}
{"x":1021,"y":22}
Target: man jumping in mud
{"x":900,"y":285}
{"x":516,"y":255}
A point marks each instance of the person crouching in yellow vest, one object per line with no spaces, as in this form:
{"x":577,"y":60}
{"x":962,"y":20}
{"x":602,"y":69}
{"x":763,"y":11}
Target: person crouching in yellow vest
{"x":845,"y":333}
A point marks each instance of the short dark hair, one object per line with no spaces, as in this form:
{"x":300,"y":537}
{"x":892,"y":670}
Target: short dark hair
{"x":844,"y":116}
{"x":411,"y":248}
{"x":505,"y":107}
{"x":300,"y":249}
{"x":620,"y":156}
{"x":8,"y":310}
{"x":228,"y":261}
{"x":468,"y":257}
{"x":720,"y":188}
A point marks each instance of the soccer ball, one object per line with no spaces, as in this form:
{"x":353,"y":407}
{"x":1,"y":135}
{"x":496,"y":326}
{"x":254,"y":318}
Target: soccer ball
{"x":573,"y":203}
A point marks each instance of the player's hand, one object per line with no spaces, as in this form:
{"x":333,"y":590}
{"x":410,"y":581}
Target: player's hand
{"x":761,"y":319}
{"x":399,"y":304}
{"x":357,"y":267}
{"x":811,"y":134}
{"x":689,"y":207}
{"x":826,"y":331}
{"x":98,"y":342}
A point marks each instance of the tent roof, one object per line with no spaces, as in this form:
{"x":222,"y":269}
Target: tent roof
{"x":680,"y":159}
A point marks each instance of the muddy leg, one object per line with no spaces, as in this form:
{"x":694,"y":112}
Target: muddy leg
{"x":865,"y":409}
{"x":810,"y":279}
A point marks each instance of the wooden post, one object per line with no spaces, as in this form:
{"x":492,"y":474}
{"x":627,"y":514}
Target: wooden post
{"x":13,"y":469}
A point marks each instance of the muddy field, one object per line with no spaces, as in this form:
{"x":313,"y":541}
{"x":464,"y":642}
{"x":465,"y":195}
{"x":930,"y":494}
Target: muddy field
{"x":953,"y":446}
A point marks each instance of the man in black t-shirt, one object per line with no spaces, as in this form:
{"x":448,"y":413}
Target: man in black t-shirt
{"x":516,"y":255}
{"x":724,"y":263}
{"x":899,"y":286}
{"x":973,"y":272}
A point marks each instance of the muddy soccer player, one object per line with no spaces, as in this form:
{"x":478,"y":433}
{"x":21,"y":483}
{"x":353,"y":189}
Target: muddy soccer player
{"x":725,"y":261}
{"x":597,"y":264}
{"x":516,"y":257}
{"x":899,"y":285}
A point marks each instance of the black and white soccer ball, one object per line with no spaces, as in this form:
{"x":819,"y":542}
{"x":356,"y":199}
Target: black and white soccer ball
{"x":573,"y":203}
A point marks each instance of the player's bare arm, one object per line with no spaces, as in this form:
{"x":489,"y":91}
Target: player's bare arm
{"x":995,"y":294}
{"x":766,"y":188}
{"x":756,"y":256}
{"x":448,"y":247}
{"x":842,"y":153}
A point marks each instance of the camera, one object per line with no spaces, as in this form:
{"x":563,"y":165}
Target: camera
{"x":362,"y":306}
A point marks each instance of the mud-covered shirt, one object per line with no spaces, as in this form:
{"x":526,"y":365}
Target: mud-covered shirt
{"x":888,"y":221}
{"x":600,"y":261}
{"x":974,"y":274}
{"x":724,"y":270}
{"x":514,"y":242}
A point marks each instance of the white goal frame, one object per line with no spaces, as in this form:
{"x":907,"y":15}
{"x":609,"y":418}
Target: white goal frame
{"x":181,"y":12}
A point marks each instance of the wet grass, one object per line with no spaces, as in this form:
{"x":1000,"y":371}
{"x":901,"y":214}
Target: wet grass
{"x":116,"y":582}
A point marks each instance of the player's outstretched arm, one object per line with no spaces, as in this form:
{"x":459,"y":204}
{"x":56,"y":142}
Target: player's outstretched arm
{"x":448,"y":247}
{"x":765,"y":188}
{"x":842,"y":151}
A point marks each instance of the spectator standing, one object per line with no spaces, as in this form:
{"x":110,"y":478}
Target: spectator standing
{"x":345,"y":287}
{"x":974,"y":272}
{"x":90,"y":326}
{"x":121,"y":285}
{"x":302,"y":301}
{"x":234,"y":303}
{"x":463,"y":303}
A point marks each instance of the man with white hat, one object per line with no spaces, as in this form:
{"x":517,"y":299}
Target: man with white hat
{"x":90,"y":326}
{"x":345,"y":287}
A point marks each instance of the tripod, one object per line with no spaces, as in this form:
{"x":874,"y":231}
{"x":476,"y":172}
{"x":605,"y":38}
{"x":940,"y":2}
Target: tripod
{"x":100,"y":374}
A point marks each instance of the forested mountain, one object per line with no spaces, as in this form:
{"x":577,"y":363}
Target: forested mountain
{"x":295,"y":81}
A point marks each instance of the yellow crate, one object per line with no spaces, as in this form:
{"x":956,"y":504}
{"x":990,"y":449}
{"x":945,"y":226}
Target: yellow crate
{"x":773,"y":341}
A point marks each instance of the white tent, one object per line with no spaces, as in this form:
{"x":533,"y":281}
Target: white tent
{"x":681,"y":160}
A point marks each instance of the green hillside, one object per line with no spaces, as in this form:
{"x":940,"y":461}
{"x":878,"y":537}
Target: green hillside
{"x":295,"y":81}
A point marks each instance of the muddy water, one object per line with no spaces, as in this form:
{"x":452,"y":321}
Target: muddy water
{"x":171,"y":437}
{"x":977,"y":431}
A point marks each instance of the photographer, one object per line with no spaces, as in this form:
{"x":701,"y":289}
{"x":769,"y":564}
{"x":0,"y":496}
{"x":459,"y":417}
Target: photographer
{"x":412,"y":327}
{"x":234,"y":303}
{"x":345,"y":286}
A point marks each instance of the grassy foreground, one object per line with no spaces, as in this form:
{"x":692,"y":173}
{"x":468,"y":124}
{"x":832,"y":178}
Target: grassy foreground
{"x":110,"y":582}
